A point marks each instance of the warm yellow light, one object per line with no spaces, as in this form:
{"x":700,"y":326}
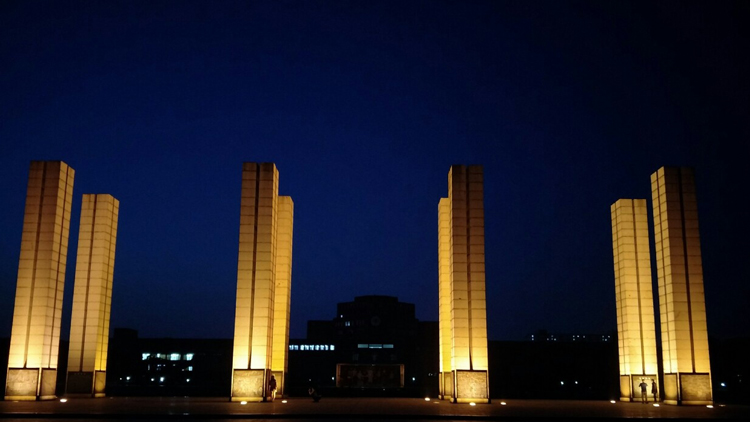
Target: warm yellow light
{"x":503,"y":403}
{"x":63,"y":400}
{"x":472,"y":404}
{"x":612,"y":401}
{"x":426,"y":399}
{"x":243,"y":402}
{"x":283,"y":401}
{"x":710,"y":406}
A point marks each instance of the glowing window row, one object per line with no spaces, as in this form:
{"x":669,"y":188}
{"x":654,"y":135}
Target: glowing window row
{"x":374,"y":346}
{"x":315,"y":347}
{"x":167,"y":356}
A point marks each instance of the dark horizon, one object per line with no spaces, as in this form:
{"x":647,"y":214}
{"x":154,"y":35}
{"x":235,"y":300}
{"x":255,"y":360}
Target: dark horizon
{"x":568,"y":106}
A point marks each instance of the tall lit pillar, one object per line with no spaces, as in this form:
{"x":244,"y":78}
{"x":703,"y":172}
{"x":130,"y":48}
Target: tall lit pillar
{"x":636,"y":329}
{"x":444,"y":294}
{"x":284,"y":231}
{"x":256,"y":270}
{"x":468,"y":308}
{"x":92,"y":296}
{"x":682,"y":307}
{"x":35,"y":334}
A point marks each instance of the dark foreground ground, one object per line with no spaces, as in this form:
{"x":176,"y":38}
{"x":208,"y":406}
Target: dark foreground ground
{"x":354,"y":409}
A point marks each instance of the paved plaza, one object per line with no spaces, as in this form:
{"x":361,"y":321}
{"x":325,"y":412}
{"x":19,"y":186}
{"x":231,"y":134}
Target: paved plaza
{"x":168,"y":408}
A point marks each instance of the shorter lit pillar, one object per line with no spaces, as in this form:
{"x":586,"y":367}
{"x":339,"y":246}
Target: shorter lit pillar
{"x":636,"y":329}
{"x":92,"y":296}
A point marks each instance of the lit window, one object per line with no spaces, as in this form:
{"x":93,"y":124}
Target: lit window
{"x":376,"y":346}
{"x":362,"y":346}
{"x":317,"y":347}
{"x":387,"y":346}
{"x":161,"y":379}
{"x":175,"y":356}
{"x":189,"y":356}
{"x":348,"y":324}
{"x":145,"y":356}
{"x":190,"y":368}
{"x":161,"y":356}
{"x":333,"y":347}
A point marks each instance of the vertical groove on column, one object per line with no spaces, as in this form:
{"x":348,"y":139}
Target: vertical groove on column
{"x":56,"y":309}
{"x":661,"y":192}
{"x":687,"y":271}
{"x":252,"y":274}
{"x":468,"y":269}
{"x":638,"y":290}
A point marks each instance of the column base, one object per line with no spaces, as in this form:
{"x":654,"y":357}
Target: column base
{"x":29,"y":384}
{"x":472,"y":386}
{"x":249,"y":385}
{"x":688,"y":389}
{"x":86,"y":384}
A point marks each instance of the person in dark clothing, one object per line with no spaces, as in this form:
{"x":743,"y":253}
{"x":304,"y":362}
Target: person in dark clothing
{"x":272,"y":387}
{"x":313,"y":392}
{"x":644,"y":391}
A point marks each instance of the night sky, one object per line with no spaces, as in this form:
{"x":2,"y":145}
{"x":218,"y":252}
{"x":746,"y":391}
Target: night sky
{"x":364,"y":106}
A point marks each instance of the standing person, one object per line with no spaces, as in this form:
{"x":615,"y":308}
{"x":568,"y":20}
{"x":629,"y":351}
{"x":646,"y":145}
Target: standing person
{"x":654,"y":390}
{"x":644,"y":391}
{"x":272,"y":387}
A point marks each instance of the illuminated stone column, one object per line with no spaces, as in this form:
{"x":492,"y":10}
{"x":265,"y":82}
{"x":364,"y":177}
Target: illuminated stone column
{"x":283,"y":290}
{"x":92,"y":296}
{"x":467,"y":285}
{"x":636,"y":329}
{"x":256,"y":269}
{"x":35,"y":334}
{"x":682,"y":307}
{"x":444,"y":293}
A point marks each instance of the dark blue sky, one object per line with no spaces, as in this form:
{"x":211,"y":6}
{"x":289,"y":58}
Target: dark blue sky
{"x":364,"y":106}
